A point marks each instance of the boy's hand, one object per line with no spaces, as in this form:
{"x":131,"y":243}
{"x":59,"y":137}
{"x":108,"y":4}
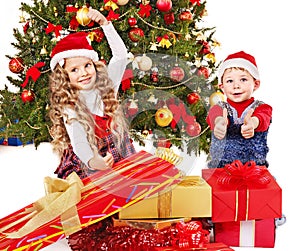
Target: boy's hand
{"x":221,"y":123}
{"x":97,"y":16}
{"x":250,"y":123}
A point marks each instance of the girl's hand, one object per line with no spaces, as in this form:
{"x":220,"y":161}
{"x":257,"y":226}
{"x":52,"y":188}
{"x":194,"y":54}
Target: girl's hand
{"x":97,"y":16}
{"x":101,"y":163}
{"x":221,"y":122}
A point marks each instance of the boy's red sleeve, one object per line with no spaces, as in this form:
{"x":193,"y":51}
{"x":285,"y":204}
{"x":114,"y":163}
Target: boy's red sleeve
{"x":264,"y":115}
{"x":214,"y":111}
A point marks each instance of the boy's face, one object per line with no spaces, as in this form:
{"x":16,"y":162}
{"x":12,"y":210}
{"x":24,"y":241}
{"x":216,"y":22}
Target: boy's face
{"x":81,"y":71}
{"x":238,"y":84}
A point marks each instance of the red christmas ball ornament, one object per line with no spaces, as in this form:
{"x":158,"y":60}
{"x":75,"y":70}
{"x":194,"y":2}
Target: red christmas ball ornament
{"x":193,"y":98}
{"x":164,"y":5}
{"x":16,"y":65}
{"x":163,"y":142}
{"x":5,"y":142}
{"x":135,"y":34}
{"x":27,"y":96}
{"x":132,"y":21}
{"x":169,"y":18}
{"x":186,"y":16}
{"x":177,"y":74}
{"x":194,"y":129}
{"x":203,"y":71}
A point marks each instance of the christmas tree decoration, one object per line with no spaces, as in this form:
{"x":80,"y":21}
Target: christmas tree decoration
{"x":193,"y":98}
{"x":164,"y":5}
{"x":186,"y":16}
{"x":27,"y":96}
{"x":216,"y":97}
{"x":169,"y":18}
{"x":122,"y":2}
{"x":132,"y":21}
{"x":135,"y":34}
{"x":194,"y":129}
{"x":177,"y":74}
{"x":144,"y":63}
{"x":81,"y":16}
{"x":16,"y":65}
{"x":163,"y":116}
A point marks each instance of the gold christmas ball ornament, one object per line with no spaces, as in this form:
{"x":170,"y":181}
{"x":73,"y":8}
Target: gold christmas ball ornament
{"x":81,"y":16}
{"x":122,"y":2}
{"x":216,"y":97}
{"x":163,"y":117}
{"x":144,"y":63}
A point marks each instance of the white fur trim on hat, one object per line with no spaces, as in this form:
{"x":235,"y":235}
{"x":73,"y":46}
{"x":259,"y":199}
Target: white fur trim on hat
{"x":57,"y":58}
{"x":238,"y":62}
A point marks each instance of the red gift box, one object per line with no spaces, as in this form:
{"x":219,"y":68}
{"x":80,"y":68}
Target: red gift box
{"x":253,"y":233}
{"x":244,"y":196}
{"x":73,"y":204}
{"x":206,"y":247}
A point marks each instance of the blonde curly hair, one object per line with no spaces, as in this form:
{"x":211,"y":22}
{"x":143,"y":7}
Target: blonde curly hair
{"x":63,"y":95}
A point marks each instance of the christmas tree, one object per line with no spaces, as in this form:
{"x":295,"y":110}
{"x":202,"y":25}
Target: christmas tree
{"x":169,"y":82}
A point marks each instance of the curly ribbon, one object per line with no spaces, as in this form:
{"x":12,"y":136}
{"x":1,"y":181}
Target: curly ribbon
{"x":53,"y":28}
{"x":179,"y":112}
{"x":60,"y":200}
{"x":191,"y":235}
{"x":241,"y":176}
{"x":238,"y":174}
{"x":33,"y":72}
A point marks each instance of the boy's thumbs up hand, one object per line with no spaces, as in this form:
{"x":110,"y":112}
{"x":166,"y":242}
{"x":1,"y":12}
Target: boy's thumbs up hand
{"x":221,"y":123}
{"x":250,"y":123}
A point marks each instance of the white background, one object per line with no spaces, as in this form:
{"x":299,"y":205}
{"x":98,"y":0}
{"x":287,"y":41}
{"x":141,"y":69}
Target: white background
{"x":266,"y":29}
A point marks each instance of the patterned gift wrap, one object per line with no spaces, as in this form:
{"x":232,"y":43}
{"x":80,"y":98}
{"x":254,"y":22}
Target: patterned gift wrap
{"x":73,"y":204}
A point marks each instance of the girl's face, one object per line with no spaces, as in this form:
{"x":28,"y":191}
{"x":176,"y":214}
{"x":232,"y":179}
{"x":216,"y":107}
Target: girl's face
{"x":81,"y":71}
{"x":238,"y":85}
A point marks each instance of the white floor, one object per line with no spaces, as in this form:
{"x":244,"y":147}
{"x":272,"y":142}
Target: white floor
{"x":23,"y":170}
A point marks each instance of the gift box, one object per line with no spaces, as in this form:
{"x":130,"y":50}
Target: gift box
{"x":243,"y":192}
{"x":148,"y":223}
{"x":73,"y":204}
{"x":206,"y":247}
{"x":252,"y":233}
{"x":13,"y":141}
{"x":189,"y":198}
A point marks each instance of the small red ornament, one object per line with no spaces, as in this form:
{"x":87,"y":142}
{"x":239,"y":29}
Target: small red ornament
{"x":169,"y":18}
{"x":163,"y":142}
{"x":164,"y":5}
{"x":16,"y":65}
{"x":135,"y":34}
{"x":27,"y":96}
{"x":5,"y":142}
{"x":203,"y":71}
{"x":193,"y":98}
{"x":132,"y":21}
{"x":186,"y":16}
{"x":177,"y":74}
{"x":194,"y":129}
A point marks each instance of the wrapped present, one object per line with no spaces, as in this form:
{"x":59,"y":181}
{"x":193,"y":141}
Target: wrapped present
{"x":148,"y":223}
{"x":252,"y":233}
{"x":243,"y":192}
{"x":189,"y":198}
{"x":13,"y":141}
{"x":74,"y":204}
{"x":206,"y":247}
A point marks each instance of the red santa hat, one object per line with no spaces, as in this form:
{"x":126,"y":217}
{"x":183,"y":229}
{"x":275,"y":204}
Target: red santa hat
{"x":242,"y":60}
{"x":74,"y":45}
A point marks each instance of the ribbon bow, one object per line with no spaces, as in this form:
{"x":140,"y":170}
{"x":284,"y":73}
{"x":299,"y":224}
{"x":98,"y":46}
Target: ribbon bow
{"x":60,"y":200}
{"x":56,"y":28}
{"x":178,"y":113}
{"x":238,"y":174}
{"x":33,"y":72}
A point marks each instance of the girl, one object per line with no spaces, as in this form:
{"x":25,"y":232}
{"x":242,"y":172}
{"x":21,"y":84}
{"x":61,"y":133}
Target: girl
{"x":89,"y":130}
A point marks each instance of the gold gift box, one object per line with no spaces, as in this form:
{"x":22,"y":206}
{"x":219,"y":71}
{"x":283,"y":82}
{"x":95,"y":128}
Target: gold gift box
{"x":189,"y":198}
{"x":148,"y":223}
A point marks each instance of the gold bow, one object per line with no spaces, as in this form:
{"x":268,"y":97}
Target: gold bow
{"x":60,"y":200}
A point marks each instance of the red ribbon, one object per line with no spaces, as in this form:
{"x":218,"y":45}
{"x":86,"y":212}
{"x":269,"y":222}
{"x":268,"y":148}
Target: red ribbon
{"x":33,"y":72}
{"x":179,"y":112}
{"x":145,"y":10}
{"x":53,"y":28}
{"x":190,"y":235}
{"x":238,"y":174}
{"x":112,"y":16}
